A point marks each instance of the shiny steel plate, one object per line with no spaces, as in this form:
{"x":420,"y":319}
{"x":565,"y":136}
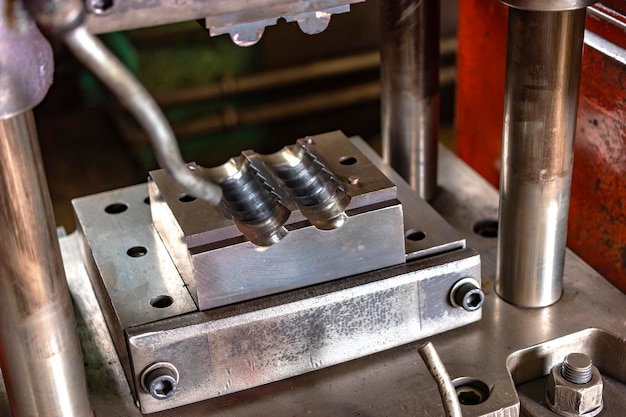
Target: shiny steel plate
{"x":395,"y":382}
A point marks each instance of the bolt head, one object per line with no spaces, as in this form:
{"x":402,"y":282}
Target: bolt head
{"x":570,"y":399}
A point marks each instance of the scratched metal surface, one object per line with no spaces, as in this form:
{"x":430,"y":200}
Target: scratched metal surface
{"x":394,"y":382}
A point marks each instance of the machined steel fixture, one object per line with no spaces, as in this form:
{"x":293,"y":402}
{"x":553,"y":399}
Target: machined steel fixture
{"x":256,"y":315}
{"x":575,"y":387}
{"x":543,"y":71}
{"x":288,"y":203}
{"x":254,"y":207}
{"x":40,"y":354}
{"x":410,"y":90}
{"x":317,"y":193}
{"x":243,"y":20}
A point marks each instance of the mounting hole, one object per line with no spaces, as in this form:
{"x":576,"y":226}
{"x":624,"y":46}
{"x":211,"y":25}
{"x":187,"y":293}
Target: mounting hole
{"x":347,"y":160}
{"x":471,"y":391}
{"x":137,"y":251}
{"x":415,"y":235}
{"x":486,"y":228}
{"x":161,"y":301}
{"x":116,"y":208}
{"x":99,"y":7}
{"x":186,"y":198}
{"x":146,"y":200}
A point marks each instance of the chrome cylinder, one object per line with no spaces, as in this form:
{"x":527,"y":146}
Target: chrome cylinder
{"x":542,"y":77}
{"x":40,"y":354}
{"x":410,"y":90}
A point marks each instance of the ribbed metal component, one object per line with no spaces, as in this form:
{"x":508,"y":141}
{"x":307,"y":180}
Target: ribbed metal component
{"x":255,"y":208}
{"x":577,"y":368}
{"x":314,"y":189}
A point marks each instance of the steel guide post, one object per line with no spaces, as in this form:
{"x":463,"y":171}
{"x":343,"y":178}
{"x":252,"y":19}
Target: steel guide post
{"x":410,"y":90}
{"x":543,"y":71}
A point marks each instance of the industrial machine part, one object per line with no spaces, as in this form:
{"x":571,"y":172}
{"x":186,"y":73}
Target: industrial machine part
{"x":597,"y":232}
{"x":451,"y":403}
{"x":228,"y":314}
{"x":575,"y":387}
{"x":39,"y":344}
{"x":410,"y":90}
{"x":165,"y":343}
{"x":541,"y":96}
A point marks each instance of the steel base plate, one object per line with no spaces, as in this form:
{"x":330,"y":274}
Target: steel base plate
{"x":395,"y":382}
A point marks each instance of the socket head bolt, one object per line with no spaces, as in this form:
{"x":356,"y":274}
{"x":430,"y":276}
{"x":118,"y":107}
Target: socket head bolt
{"x":575,"y":387}
{"x":467,"y":294}
{"x":160,"y":380}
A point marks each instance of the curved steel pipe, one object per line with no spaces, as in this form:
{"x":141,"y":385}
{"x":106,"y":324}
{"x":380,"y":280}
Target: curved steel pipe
{"x":541,"y":95}
{"x":40,"y":353}
{"x":95,"y":56}
{"x":65,"y":19}
{"x":449,"y":397}
{"x":410,"y":90}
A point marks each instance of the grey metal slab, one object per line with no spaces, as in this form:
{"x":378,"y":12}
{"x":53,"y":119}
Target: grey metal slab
{"x":396,"y":382}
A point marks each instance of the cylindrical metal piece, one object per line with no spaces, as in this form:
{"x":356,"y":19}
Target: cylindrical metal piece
{"x":437,"y":369}
{"x":577,"y":368}
{"x":39,"y":349}
{"x":410,"y":90}
{"x":541,"y":93}
{"x":549,"y":6}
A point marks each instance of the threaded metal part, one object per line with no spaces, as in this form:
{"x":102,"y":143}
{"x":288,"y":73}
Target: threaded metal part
{"x":577,"y":368}
{"x":255,"y":208}
{"x":312,"y":186}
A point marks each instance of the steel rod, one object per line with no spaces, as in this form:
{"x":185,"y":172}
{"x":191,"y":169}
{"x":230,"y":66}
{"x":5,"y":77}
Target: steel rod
{"x":410,"y":90}
{"x":542,"y":77}
{"x":40,"y":353}
{"x":437,"y":369}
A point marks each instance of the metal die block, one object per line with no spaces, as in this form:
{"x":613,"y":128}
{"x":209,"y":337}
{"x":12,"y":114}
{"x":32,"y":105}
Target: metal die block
{"x":220,"y":265}
{"x":244,"y":345}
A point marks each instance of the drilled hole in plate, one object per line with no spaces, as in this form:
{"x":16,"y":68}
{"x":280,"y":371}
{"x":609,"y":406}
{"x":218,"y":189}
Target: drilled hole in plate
{"x":116,"y":208}
{"x":347,"y":160}
{"x":186,"y":198}
{"x":415,"y":235}
{"x":137,"y":251}
{"x":471,"y":391}
{"x":486,"y":228}
{"x":161,"y":301}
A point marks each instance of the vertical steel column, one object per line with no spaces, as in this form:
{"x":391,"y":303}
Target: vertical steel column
{"x":39,"y":349}
{"x":410,"y":90}
{"x":543,"y":72}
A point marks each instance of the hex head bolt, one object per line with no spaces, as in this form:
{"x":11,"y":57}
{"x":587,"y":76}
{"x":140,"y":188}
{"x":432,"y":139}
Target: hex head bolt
{"x":575,"y":387}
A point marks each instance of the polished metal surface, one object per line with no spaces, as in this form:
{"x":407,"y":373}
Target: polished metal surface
{"x":40,"y":355}
{"x":25,"y":60}
{"x":247,"y":17}
{"x":226,"y":350}
{"x":541,"y":93}
{"x":549,"y":5}
{"x":508,"y":344}
{"x":410,"y":90}
{"x":220,"y":266}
